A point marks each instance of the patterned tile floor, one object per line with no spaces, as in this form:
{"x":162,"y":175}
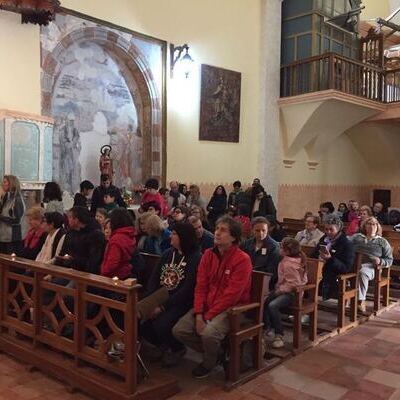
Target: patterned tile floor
{"x":363,"y":364}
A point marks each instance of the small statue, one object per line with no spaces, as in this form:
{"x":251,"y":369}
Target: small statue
{"x":106,"y":162}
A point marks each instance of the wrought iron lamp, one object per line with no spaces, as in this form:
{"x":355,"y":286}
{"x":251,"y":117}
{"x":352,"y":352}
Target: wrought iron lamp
{"x":39,"y":12}
{"x":185,"y":60}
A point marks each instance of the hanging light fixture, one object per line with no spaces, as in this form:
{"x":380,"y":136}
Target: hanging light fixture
{"x":185,"y":61}
{"x":39,"y":12}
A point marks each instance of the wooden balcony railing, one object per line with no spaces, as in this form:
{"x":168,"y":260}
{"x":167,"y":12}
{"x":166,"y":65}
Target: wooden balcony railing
{"x":68,"y":331}
{"x":332,"y":71}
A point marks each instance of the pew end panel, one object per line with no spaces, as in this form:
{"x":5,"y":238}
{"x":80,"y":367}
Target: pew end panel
{"x":246,"y":325}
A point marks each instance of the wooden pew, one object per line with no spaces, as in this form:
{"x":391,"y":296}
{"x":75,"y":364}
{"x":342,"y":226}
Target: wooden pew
{"x":348,"y":292}
{"x":252,"y":330}
{"x":308,"y":250}
{"x":306,"y":305}
{"x":93,"y":307}
{"x":381,"y":288}
{"x":292,"y":226}
{"x":394,"y":239}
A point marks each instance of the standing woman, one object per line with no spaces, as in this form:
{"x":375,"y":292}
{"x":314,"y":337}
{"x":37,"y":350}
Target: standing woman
{"x":12,"y":209}
{"x":217,"y":205}
{"x":52,"y":198}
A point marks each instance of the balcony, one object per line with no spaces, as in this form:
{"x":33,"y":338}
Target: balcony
{"x":330,"y":71}
{"x":325,"y":96}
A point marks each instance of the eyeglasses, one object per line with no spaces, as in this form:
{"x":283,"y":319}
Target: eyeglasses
{"x":177,"y":211}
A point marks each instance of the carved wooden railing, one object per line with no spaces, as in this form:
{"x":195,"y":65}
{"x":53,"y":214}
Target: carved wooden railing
{"x":392,"y":86}
{"x":332,"y":71}
{"x":68,"y":331}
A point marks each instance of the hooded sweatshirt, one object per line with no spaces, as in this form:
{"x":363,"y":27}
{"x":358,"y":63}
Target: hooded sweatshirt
{"x":119,"y":252}
{"x":291,"y":274}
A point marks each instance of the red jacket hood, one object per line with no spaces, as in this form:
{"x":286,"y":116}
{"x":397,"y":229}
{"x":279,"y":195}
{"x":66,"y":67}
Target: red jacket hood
{"x":125,"y":233}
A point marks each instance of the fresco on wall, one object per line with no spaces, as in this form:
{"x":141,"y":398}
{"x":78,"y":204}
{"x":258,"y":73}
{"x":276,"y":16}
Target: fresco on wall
{"x":93,"y":106}
{"x":98,"y":97}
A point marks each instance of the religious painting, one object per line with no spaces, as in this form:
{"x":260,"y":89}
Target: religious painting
{"x":104,"y":86}
{"x":219,"y":104}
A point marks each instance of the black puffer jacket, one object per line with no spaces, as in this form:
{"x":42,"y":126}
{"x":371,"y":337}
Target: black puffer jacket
{"x":86,"y":247}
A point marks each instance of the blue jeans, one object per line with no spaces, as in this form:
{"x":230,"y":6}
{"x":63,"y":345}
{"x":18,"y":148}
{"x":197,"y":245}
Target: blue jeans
{"x":272,"y":310}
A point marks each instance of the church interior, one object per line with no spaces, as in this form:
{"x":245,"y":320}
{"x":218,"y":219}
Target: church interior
{"x":199,"y":199}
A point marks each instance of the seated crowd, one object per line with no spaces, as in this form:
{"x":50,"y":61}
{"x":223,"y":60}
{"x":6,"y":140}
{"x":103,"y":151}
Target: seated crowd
{"x":207,"y":253}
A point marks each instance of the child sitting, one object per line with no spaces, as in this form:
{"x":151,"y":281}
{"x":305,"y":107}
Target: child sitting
{"x":291,"y":274}
{"x":109,"y":202}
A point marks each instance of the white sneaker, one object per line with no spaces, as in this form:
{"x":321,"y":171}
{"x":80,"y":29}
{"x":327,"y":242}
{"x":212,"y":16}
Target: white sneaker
{"x":278,"y":342}
{"x":305,"y":319}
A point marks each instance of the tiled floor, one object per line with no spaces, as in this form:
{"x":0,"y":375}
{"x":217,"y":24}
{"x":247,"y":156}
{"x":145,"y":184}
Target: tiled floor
{"x":363,"y":364}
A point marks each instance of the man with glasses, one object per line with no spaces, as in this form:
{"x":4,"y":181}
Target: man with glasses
{"x":311,"y":235}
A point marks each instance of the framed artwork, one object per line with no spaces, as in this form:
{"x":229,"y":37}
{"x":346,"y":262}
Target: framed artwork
{"x":219,"y":104}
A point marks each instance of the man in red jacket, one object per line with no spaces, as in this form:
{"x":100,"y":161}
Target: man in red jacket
{"x":223,"y":281}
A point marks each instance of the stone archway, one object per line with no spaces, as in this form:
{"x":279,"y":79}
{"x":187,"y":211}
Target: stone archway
{"x":137,"y":76}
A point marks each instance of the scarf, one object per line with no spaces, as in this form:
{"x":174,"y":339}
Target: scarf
{"x":32,"y":238}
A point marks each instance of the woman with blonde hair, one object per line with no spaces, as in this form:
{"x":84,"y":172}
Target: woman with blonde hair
{"x":157,"y":236}
{"x":141,"y":229}
{"x":36,"y":235}
{"x":376,"y":251}
{"x":355,"y":224}
{"x":12,"y":209}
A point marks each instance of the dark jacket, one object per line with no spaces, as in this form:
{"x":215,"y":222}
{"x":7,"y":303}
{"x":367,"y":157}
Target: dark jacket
{"x":382,"y":217}
{"x":341,"y":262}
{"x":265,"y":259}
{"x":80,"y":200}
{"x":86,"y":247}
{"x":180,"y":278}
{"x":278,"y":234}
{"x":98,"y":197}
{"x":266,"y":207}
{"x":206,"y":241}
{"x":235,"y":198}
{"x":216,"y":207}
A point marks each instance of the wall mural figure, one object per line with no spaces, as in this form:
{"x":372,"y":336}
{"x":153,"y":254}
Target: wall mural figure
{"x":70,"y":143}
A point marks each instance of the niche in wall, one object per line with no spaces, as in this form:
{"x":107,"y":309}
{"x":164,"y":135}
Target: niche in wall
{"x":103,"y":84}
{"x":26,"y":148}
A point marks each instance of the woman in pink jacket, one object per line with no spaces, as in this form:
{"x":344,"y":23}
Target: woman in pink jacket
{"x":291,"y":274}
